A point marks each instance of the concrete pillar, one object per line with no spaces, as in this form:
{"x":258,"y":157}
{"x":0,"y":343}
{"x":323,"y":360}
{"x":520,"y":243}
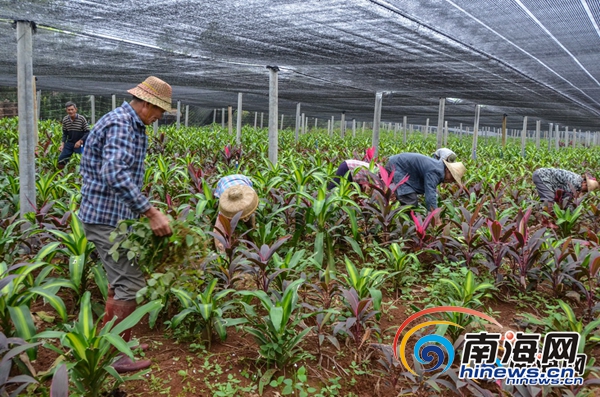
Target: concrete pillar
{"x":441,"y":112}
{"x":354,"y":128}
{"x":475,"y":133}
{"x":281,"y":126}
{"x":343,"y":125}
{"x":255,"y":119}
{"x":178,"y":114}
{"x":523,"y":136}
{"x":273,"y":113}
{"x":222,"y":117}
{"x":187,"y":115}
{"x":93,"y":111}
{"x":298,"y":121}
{"x":114,"y":101}
{"x":262,"y":115}
{"x":238,"y":137}
{"x":27,"y":193}
{"x":376,"y":121}
{"x":426,"y":128}
{"x":404,"y":127}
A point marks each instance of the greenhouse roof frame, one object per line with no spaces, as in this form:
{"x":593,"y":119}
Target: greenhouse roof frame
{"x":515,"y":57}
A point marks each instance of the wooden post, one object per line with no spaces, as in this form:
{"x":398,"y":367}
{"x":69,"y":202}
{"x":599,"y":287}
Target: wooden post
{"x":376,"y":121}
{"x":273,"y":113}
{"x":27,"y":193}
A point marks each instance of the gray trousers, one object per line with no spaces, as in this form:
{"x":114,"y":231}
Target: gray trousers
{"x":124,"y":276}
{"x":545,"y":193}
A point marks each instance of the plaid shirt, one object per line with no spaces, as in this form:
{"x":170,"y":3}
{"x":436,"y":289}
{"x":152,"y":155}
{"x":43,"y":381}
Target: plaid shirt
{"x":229,"y":181}
{"x":113,"y":169}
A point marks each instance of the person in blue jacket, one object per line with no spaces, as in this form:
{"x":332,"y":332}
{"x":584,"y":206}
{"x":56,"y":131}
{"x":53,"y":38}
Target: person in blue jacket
{"x":424,"y":176}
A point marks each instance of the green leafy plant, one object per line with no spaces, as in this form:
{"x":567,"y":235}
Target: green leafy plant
{"x":135,"y":238}
{"x":275,"y":333}
{"x":366,"y":283}
{"x":207,"y":310}
{"x":91,"y":350}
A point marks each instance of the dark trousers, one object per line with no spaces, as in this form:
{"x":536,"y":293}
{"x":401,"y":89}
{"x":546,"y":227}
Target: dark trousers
{"x":408,"y":199}
{"x":67,"y":152}
{"x":544,"y":191}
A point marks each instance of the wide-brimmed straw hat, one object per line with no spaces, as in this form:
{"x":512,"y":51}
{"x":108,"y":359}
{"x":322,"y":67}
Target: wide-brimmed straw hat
{"x":238,"y":198}
{"x":457,"y":170}
{"x":155,"y":91}
{"x":592,"y":183}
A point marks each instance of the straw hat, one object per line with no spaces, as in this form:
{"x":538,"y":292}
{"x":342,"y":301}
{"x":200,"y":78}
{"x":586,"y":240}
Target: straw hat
{"x":155,"y":91}
{"x":592,"y":183}
{"x":457,"y":170}
{"x":238,"y":198}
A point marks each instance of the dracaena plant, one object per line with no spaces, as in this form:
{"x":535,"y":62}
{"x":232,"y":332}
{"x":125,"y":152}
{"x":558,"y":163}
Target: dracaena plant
{"x":526,"y":252}
{"x":495,"y":245}
{"x":366,"y":283}
{"x":400,"y":262}
{"x":560,"y":268}
{"x":90,"y":350}
{"x":205,"y":312}
{"x":18,"y":289}
{"x":588,"y":267}
{"x":567,"y":220}
{"x":11,"y":348}
{"x":468,"y":244}
{"x":259,"y":263}
{"x":379,"y":210}
{"x":275,"y":331}
{"x":360,"y":324}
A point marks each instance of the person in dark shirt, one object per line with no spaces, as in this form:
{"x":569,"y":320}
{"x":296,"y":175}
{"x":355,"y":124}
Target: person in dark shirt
{"x":424,"y":175}
{"x":75,"y":132}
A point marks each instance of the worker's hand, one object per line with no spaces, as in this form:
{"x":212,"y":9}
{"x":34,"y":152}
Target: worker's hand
{"x":61,"y":147}
{"x":159,"y":223}
{"x":78,"y":144}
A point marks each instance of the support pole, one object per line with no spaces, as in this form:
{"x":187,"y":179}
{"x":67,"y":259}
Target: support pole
{"x":574,"y":138}
{"x":178,"y":114}
{"x":441,"y":112}
{"x":556,"y":137}
{"x":376,"y":121}
{"x":426,"y":128}
{"x":273,"y":113}
{"x":445,"y":133}
{"x":93,"y":112}
{"x":223,"y":118}
{"x":353,"y":128}
{"x":27,"y":193}
{"x":538,"y":128}
{"x":304,"y":121}
{"x":332,"y":125}
{"x":504,"y":131}
{"x":255,"y":119}
{"x":404,"y":127}
{"x":475,"y":132}
{"x":363,"y":127}
{"x":230,"y":119}
{"x":187,"y":115}
{"x":214,"y":116}
{"x":281,"y":126}
{"x":114,"y":101}
{"x":343,"y":125}
{"x":523,"y":136}
{"x":238,"y":137}
{"x":549,"y":136}
{"x":262,"y":116}
{"x":298,"y":112}
{"x":155,"y":127}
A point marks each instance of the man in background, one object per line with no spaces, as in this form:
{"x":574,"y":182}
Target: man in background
{"x":75,"y":132}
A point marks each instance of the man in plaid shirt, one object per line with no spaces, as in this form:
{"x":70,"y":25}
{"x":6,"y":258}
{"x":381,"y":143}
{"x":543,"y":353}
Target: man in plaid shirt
{"x":113,"y":174}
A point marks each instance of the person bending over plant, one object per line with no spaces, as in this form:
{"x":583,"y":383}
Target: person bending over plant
{"x":354,"y":170}
{"x":235,"y":194}
{"x":555,"y":182}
